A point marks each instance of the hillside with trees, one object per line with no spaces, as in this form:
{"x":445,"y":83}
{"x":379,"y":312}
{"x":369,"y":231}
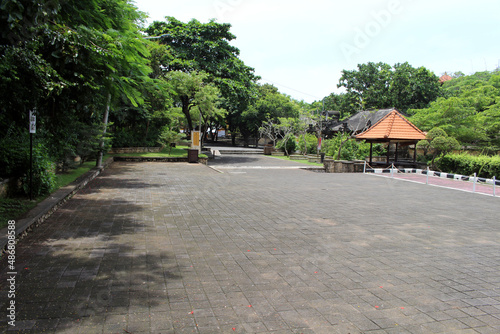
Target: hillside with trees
{"x":468,"y":110}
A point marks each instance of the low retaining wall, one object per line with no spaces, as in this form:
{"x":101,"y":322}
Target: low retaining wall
{"x":342,"y":166}
{"x":117,"y":150}
{"x":159,"y":159}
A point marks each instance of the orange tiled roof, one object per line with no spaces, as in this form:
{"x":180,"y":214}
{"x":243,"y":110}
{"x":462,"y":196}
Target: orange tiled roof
{"x":445,"y":78}
{"x":393,"y":126}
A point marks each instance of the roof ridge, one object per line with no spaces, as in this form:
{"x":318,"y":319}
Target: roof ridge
{"x":410,"y":123}
{"x":391,"y":124}
{"x":389,"y":127}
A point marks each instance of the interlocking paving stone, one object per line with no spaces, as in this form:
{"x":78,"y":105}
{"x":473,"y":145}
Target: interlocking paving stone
{"x":181,"y":248}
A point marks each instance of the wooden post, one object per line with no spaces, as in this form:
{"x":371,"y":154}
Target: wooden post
{"x":396,"y":153}
{"x":371,"y":153}
{"x":388,"y":151}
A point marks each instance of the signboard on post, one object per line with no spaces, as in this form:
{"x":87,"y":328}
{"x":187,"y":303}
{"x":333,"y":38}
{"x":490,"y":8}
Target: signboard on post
{"x":32,"y":121}
{"x":195,"y":140}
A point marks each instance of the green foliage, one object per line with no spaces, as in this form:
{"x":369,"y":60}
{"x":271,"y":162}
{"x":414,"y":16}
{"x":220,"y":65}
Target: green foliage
{"x":44,"y":178}
{"x":465,"y":164}
{"x":270,"y":105}
{"x":469,"y":110}
{"x":65,"y":58}
{"x":288,"y":144}
{"x":168,"y":137}
{"x":15,"y":163}
{"x":378,"y":85}
{"x":438,"y":143}
{"x":311,"y":143}
{"x":351,"y":149}
{"x":206,"y":47}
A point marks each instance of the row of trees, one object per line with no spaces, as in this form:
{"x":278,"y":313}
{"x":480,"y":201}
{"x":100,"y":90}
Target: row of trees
{"x":468,"y":110}
{"x":71,"y":61}
{"x":380,"y":85}
{"x":96,"y":75}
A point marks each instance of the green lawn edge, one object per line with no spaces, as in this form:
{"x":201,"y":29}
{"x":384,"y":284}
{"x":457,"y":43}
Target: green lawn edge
{"x":306,"y":162}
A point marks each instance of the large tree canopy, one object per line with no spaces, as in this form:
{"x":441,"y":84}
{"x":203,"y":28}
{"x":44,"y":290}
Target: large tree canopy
{"x":469,"y":110}
{"x":206,"y":47}
{"x":73,"y":61}
{"x":378,"y":85}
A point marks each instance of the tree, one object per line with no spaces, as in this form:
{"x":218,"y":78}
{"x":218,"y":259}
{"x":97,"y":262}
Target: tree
{"x":205,"y":47}
{"x":194,"y":95}
{"x":168,"y":137}
{"x":270,"y":105}
{"x":270,"y":130}
{"x":412,"y":88}
{"x":439,"y":143}
{"x":69,"y":58}
{"x":378,"y":86}
{"x":286,"y":126}
{"x":468,"y":111}
{"x":369,"y":85}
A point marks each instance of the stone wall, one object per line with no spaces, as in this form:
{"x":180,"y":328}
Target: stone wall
{"x":117,"y":150}
{"x":342,"y":166}
{"x":159,"y":159}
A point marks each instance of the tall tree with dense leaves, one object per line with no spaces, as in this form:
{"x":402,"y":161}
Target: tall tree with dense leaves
{"x":378,"y":86}
{"x":270,"y":105}
{"x":68,"y":59}
{"x":196,"y":46}
{"x":468,"y":111}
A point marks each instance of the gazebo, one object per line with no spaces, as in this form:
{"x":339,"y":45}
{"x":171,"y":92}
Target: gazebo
{"x":393,"y":128}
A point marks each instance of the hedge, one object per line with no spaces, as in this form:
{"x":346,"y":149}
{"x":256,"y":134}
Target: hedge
{"x":465,"y":164}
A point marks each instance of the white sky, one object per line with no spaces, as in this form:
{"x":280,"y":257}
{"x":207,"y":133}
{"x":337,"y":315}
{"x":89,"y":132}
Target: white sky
{"x":302,"y":46}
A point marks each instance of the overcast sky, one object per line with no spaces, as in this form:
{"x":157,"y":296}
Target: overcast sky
{"x":302,"y":46}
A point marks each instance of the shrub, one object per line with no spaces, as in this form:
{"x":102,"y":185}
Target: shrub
{"x":15,"y":164}
{"x":351,"y":149}
{"x":291,"y":144}
{"x":465,"y":164}
{"x":44,"y":178}
{"x":311,"y":143}
{"x":168,"y":137}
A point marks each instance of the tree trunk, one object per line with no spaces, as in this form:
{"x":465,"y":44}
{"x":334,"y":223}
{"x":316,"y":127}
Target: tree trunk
{"x":105,"y":126}
{"x":340,"y":147}
{"x":185,"y":111}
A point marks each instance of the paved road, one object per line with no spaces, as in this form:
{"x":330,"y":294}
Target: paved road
{"x":181,"y":248}
{"x":249,"y":161}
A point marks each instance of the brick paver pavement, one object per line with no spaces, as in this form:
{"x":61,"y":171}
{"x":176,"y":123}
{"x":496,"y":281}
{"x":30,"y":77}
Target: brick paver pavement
{"x":181,"y":248}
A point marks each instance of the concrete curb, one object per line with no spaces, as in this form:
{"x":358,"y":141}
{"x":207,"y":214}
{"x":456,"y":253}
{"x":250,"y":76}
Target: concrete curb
{"x":443,"y":175}
{"x":45,"y":208}
{"x":158,"y":159}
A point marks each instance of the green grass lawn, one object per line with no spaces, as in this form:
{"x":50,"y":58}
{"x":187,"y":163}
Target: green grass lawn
{"x":284,"y":157}
{"x":175,"y":152}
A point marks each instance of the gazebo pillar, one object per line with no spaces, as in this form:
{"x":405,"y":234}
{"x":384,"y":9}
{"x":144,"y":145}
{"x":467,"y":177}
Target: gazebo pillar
{"x":388,"y":151}
{"x":371,"y":152}
{"x":396,"y":153}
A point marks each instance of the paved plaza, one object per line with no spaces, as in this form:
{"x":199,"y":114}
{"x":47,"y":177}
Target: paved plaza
{"x":185,"y":248}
